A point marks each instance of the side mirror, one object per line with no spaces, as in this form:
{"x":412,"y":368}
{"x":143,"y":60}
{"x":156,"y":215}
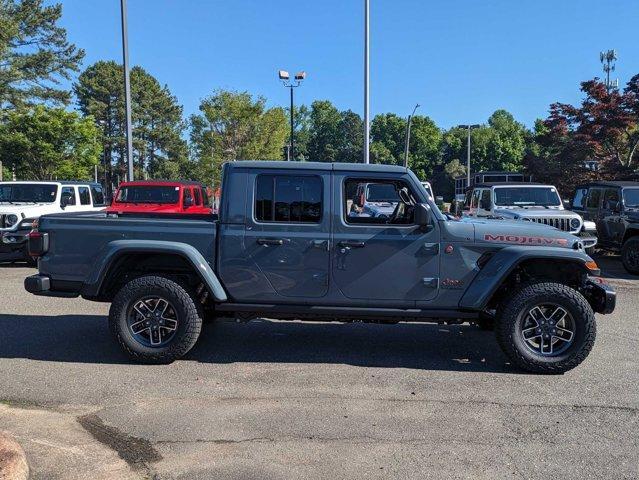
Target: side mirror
{"x":423,"y":215}
{"x":64,"y":201}
{"x":567,"y":204}
{"x":615,"y":207}
{"x":188,"y":202}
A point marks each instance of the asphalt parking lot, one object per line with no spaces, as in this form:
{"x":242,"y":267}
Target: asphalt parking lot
{"x":278,"y":400}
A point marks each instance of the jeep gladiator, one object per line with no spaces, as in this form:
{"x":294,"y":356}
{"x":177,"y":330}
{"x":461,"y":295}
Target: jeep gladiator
{"x":288,"y":245}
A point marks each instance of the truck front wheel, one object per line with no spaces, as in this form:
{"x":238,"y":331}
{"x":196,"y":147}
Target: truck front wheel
{"x":155,"y":319}
{"x":546,"y":328}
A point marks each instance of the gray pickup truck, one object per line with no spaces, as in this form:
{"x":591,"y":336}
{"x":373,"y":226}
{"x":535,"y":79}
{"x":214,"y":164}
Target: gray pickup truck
{"x":288,"y":245}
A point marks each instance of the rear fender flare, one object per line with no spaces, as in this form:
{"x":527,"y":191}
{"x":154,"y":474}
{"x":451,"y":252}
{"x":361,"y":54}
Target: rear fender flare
{"x":117,"y":248}
{"x":502,"y":263}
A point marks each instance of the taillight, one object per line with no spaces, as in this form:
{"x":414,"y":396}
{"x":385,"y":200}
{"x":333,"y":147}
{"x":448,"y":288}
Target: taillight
{"x":38,"y":243}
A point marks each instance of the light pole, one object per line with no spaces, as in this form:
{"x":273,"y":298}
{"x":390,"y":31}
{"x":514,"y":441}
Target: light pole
{"x":127,"y":90}
{"x":286,"y":81}
{"x":407,"y":141}
{"x":367,"y":131}
{"x":469,"y":128}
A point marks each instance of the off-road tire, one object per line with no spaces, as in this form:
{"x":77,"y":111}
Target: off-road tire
{"x":513,"y":311}
{"x":631,"y":245}
{"x":188,"y":312}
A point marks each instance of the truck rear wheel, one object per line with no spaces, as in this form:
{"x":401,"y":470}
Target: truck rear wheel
{"x":155,"y":319}
{"x":546,"y":328}
{"x":630,"y":255}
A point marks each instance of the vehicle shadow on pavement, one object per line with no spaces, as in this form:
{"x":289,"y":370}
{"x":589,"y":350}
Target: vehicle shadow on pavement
{"x":87,"y":339}
{"x":612,"y":268}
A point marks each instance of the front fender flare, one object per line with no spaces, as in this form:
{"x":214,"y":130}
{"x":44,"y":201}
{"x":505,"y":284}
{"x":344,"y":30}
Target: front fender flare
{"x":117,"y":248}
{"x":502,"y":263}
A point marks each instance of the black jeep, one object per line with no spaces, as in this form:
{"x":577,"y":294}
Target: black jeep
{"x":614,"y":207}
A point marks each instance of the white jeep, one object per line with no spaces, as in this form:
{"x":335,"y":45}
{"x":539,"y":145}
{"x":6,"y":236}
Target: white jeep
{"x":21,"y":203}
{"x":531,"y":202}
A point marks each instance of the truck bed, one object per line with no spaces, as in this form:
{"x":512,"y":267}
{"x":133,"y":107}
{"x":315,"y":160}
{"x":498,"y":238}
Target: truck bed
{"x":78,"y":243}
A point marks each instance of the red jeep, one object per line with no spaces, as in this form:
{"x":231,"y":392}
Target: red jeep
{"x":161,"y":197}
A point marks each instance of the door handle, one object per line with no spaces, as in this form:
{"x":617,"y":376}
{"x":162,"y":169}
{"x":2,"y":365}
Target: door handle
{"x":321,"y":244}
{"x":431,"y":248}
{"x":351,"y":244}
{"x":270,"y":241}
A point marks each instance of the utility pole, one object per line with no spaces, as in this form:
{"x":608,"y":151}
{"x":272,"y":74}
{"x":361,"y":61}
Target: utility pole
{"x":607,"y":59}
{"x":127,"y":90}
{"x":407,"y":141}
{"x":469,"y":128}
{"x":286,"y":81}
{"x":367,"y":131}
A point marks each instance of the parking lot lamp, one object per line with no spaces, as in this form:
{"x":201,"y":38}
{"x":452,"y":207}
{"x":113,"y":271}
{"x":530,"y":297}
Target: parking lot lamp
{"x":286,"y":81}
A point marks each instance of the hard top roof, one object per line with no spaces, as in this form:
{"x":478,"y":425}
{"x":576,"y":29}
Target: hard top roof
{"x":509,"y":184}
{"x":53,"y":182}
{"x":170,"y":183}
{"x":610,"y":183}
{"x":294,"y":165}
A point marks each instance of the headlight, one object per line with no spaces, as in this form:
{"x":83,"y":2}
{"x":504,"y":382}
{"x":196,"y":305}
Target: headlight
{"x":11,"y":220}
{"x":575,"y":223}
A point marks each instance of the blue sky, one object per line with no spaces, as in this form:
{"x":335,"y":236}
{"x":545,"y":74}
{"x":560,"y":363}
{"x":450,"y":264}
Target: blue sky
{"x":460,"y":60}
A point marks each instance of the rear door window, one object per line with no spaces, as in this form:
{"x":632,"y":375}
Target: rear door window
{"x":85,"y":196}
{"x":69,"y":194}
{"x":187,"y":195}
{"x":594,"y":196}
{"x":288,"y":198}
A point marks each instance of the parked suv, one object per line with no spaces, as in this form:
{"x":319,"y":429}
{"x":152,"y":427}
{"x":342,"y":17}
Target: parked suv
{"x":21,"y":203}
{"x":614,"y":208}
{"x":532,"y":202}
{"x":161,"y":197}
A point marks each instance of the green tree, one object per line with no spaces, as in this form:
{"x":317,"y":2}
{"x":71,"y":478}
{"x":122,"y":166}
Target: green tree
{"x":43,"y":143}
{"x":158,"y":147}
{"x":235,"y":126}
{"x":498,"y":145}
{"x":34,"y":53}
{"x":425,"y":142}
{"x":324,"y":141}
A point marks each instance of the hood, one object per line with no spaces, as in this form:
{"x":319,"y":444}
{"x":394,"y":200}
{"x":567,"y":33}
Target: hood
{"x":521,"y":212}
{"x":505,"y":232}
{"x":143,"y":208}
{"x":29,"y":210}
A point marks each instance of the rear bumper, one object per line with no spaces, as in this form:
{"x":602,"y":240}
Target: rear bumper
{"x":602,"y":296}
{"x":41,"y":285}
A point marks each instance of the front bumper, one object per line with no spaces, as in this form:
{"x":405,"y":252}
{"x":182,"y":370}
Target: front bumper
{"x":587,"y":239}
{"x":13,"y":245}
{"x":602,"y":296}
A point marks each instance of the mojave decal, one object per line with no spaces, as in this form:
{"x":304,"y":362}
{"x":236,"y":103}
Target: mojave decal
{"x":526,"y":240}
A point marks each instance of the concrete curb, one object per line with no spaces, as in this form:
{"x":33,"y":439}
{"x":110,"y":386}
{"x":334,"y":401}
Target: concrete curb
{"x":13,"y":461}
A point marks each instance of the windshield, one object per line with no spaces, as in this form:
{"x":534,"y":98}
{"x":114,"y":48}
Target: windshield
{"x":538,"y":196}
{"x":148,"y":194}
{"x":28,"y":192}
{"x":631,"y":197}
{"x":381,"y":192}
